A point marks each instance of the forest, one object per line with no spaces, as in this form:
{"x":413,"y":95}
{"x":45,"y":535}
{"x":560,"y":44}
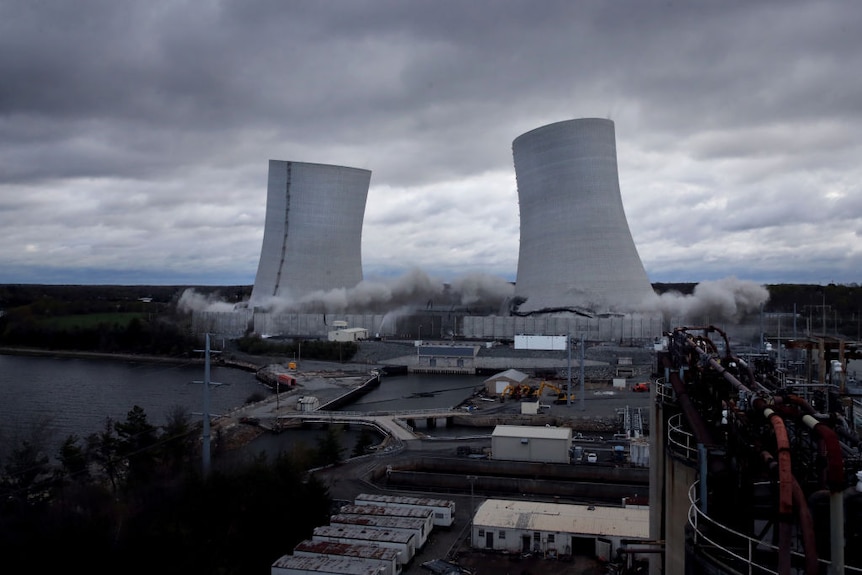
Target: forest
{"x":132,"y":498}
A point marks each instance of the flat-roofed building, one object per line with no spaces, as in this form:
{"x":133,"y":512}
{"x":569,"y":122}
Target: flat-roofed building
{"x":416,"y":526}
{"x":403,"y":541}
{"x":443,"y":509}
{"x":556,"y":528}
{"x":293,"y":565}
{"x":413,"y":512}
{"x":537,"y":444}
{"x":386,"y":556}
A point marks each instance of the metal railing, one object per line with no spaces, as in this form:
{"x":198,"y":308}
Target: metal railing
{"x":737,"y":552}
{"x":681,"y":441}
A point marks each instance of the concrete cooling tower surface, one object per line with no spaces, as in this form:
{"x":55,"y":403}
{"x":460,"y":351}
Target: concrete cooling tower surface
{"x":313,"y":233}
{"x":576,"y":249}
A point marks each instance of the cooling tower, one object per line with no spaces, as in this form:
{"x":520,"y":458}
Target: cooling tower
{"x":576,"y":248}
{"x":313,"y":233}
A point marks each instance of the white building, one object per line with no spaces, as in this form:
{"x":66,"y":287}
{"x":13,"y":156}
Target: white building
{"x":555,"y":529}
{"x":348,"y":334}
{"x":443,"y":509}
{"x":385,"y":556}
{"x":531,"y":443}
{"x":416,"y":526}
{"x":495,"y":384}
{"x":402,"y":541}
{"x":293,"y":565}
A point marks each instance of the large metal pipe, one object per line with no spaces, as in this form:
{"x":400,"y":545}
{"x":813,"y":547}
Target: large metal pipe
{"x":803,"y":517}
{"x":785,"y":487}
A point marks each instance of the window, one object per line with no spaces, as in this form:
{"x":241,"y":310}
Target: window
{"x":550,"y":537}
{"x":501,"y":535}
{"x":481,"y":532}
{"x":438,"y":515}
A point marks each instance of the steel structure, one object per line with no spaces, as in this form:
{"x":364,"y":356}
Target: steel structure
{"x":576,"y":248}
{"x":313,"y":232}
{"x":755,"y":471}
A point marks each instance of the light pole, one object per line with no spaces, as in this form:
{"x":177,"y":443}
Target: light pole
{"x":420,"y":332}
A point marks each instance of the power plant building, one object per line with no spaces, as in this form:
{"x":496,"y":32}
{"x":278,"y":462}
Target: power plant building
{"x":576,"y":249}
{"x":313,"y":232}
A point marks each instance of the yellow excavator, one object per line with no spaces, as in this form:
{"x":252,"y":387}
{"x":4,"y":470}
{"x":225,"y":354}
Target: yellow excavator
{"x":516,"y":391}
{"x":561,"y":395}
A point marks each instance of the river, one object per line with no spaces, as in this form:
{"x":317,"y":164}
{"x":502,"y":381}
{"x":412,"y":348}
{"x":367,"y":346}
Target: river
{"x":49,"y":398}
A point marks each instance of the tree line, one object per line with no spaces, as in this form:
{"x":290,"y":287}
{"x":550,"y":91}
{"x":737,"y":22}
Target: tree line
{"x":131,"y":498}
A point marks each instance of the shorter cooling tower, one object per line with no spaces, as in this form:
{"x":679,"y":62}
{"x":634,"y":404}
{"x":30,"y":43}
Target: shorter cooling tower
{"x":576,"y":249}
{"x":313,"y":233}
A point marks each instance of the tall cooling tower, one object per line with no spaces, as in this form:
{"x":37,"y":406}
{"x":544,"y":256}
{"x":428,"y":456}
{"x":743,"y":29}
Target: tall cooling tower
{"x":576,"y":248}
{"x":313,"y":233}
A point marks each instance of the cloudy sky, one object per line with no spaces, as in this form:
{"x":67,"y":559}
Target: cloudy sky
{"x":135,"y":136}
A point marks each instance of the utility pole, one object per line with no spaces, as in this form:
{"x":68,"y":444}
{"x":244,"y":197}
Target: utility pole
{"x":583,"y":407}
{"x":205,"y":447}
{"x":472,"y":480}
{"x":571,"y":379}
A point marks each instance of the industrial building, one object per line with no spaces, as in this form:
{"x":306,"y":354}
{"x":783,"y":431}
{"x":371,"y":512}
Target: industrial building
{"x":576,"y":249}
{"x":755,"y":463}
{"x":555,"y":529}
{"x":528,"y":443}
{"x":313,"y":231}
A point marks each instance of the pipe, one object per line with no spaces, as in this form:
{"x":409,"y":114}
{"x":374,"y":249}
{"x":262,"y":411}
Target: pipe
{"x":803,"y":517}
{"x":785,"y":487}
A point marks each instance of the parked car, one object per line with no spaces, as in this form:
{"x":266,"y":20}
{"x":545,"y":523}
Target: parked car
{"x":642,"y":386}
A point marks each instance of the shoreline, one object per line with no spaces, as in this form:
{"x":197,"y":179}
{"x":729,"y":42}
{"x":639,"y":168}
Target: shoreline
{"x":62,"y":353}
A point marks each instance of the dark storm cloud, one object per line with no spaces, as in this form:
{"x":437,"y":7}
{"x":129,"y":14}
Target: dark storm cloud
{"x":737,"y":125}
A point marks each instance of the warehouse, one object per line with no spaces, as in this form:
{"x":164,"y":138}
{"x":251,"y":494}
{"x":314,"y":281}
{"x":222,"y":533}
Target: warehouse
{"x":293,"y":565}
{"x":426,"y":515}
{"x":408,"y":524}
{"x":443,"y":509}
{"x":402,"y":541}
{"x":531,"y":443}
{"x":556,"y":529}
{"x":385,"y":556}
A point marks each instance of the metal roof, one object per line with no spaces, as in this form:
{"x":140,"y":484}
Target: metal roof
{"x":364,"y":533}
{"x":447,"y":351}
{"x":403,"y":500}
{"x":512,"y":374}
{"x":389,"y":522}
{"x":626,"y":522}
{"x":532,"y":432}
{"x":342,"y":565}
{"x":347,"y":549}
{"x":418,"y":512}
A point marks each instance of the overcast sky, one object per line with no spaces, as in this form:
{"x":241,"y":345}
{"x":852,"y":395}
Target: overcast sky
{"x":135,"y":136}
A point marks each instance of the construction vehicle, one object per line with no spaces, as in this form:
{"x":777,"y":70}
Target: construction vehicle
{"x":642,"y":386}
{"x":521,"y":391}
{"x":561,"y":395}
